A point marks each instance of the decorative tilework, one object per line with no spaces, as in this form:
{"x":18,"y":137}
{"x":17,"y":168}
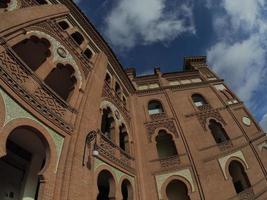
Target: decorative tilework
{"x":55,"y":45}
{"x":14,"y":111}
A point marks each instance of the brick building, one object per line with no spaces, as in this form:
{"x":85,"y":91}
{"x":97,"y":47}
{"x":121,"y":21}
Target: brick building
{"x":76,"y":126}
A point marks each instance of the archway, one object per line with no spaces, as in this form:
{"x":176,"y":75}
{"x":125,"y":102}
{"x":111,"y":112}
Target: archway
{"x":165,"y":145}
{"x":19,"y":168}
{"x":177,"y":190}
{"x":62,"y":80}
{"x":126,"y":190}
{"x":218,"y":132}
{"x":239,"y":176}
{"x":33,"y":51}
{"x":108,"y":124}
{"x":106,"y":186}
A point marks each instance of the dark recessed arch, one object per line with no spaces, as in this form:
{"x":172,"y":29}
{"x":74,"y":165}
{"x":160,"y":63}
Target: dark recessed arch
{"x":218,"y":132}
{"x":33,"y":51}
{"x":177,"y":189}
{"x":62,"y":80}
{"x":239,"y":176}
{"x":106,"y":185}
{"x":165,"y":145}
{"x":155,"y":107}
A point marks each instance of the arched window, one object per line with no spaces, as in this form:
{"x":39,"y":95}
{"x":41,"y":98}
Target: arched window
{"x":177,"y":190}
{"x":20,"y":167}
{"x":126,"y":190}
{"x":33,"y":51}
{"x":155,"y":107}
{"x":124,"y":139}
{"x":41,"y":1}
{"x":108,"y":79}
{"x":62,"y":80}
{"x":165,"y":145}
{"x":218,"y":132}
{"x":118,"y":89}
{"x":78,"y":38}
{"x":239,"y":177}
{"x":108,"y":124}
{"x":88,"y":53}
{"x":106,"y":186}
{"x":199,"y":100}
{"x":4,"y":3}
{"x":64,"y":25}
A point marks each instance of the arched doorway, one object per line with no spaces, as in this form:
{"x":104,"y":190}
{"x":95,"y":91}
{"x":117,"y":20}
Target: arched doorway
{"x":19,"y":168}
{"x":106,"y":186}
{"x":126,"y":190}
{"x":239,"y":176}
{"x":177,"y":190}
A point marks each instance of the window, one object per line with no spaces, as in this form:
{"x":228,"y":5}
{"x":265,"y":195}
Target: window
{"x":33,"y":51}
{"x":108,"y":123}
{"x":154,"y":107}
{"x":165,"y":145}
{"x":64,"y":25}
{"x":62,"y":80}
{"x":239,"y":177}
{"x":78,"y":38}
{"x":124,"y":139}
{"x":199,"y":100}
{"x":218,"y":132}
{"x":88,"y":53}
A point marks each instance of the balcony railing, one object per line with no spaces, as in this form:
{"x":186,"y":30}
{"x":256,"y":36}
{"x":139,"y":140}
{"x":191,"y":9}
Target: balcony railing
{"x":111,"y":94}
{"x":158,"y":116}
{"x":109,"y":150}
{"x":43,"y":99}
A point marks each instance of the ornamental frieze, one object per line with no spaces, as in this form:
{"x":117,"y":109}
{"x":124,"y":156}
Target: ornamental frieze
{"x":164,"y":124}
{"x":206,"y":114}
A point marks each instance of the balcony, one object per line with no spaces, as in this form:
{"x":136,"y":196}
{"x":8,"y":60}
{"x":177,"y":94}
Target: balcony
{"x":111,"y":95}
{"x":19,"y":76}
{"x":113,"y":153}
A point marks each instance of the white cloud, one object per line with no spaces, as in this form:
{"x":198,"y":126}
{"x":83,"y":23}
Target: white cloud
{"x":240,"y":63}
{"x":263,"y":122}
{"x":145,"y":22}
{"x":239,"y":55}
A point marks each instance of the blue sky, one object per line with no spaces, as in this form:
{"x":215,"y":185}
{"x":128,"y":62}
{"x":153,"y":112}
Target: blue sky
{"x":158,"y":33}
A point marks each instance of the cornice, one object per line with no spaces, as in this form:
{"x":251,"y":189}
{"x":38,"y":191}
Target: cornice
{"x":96,"y":36}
